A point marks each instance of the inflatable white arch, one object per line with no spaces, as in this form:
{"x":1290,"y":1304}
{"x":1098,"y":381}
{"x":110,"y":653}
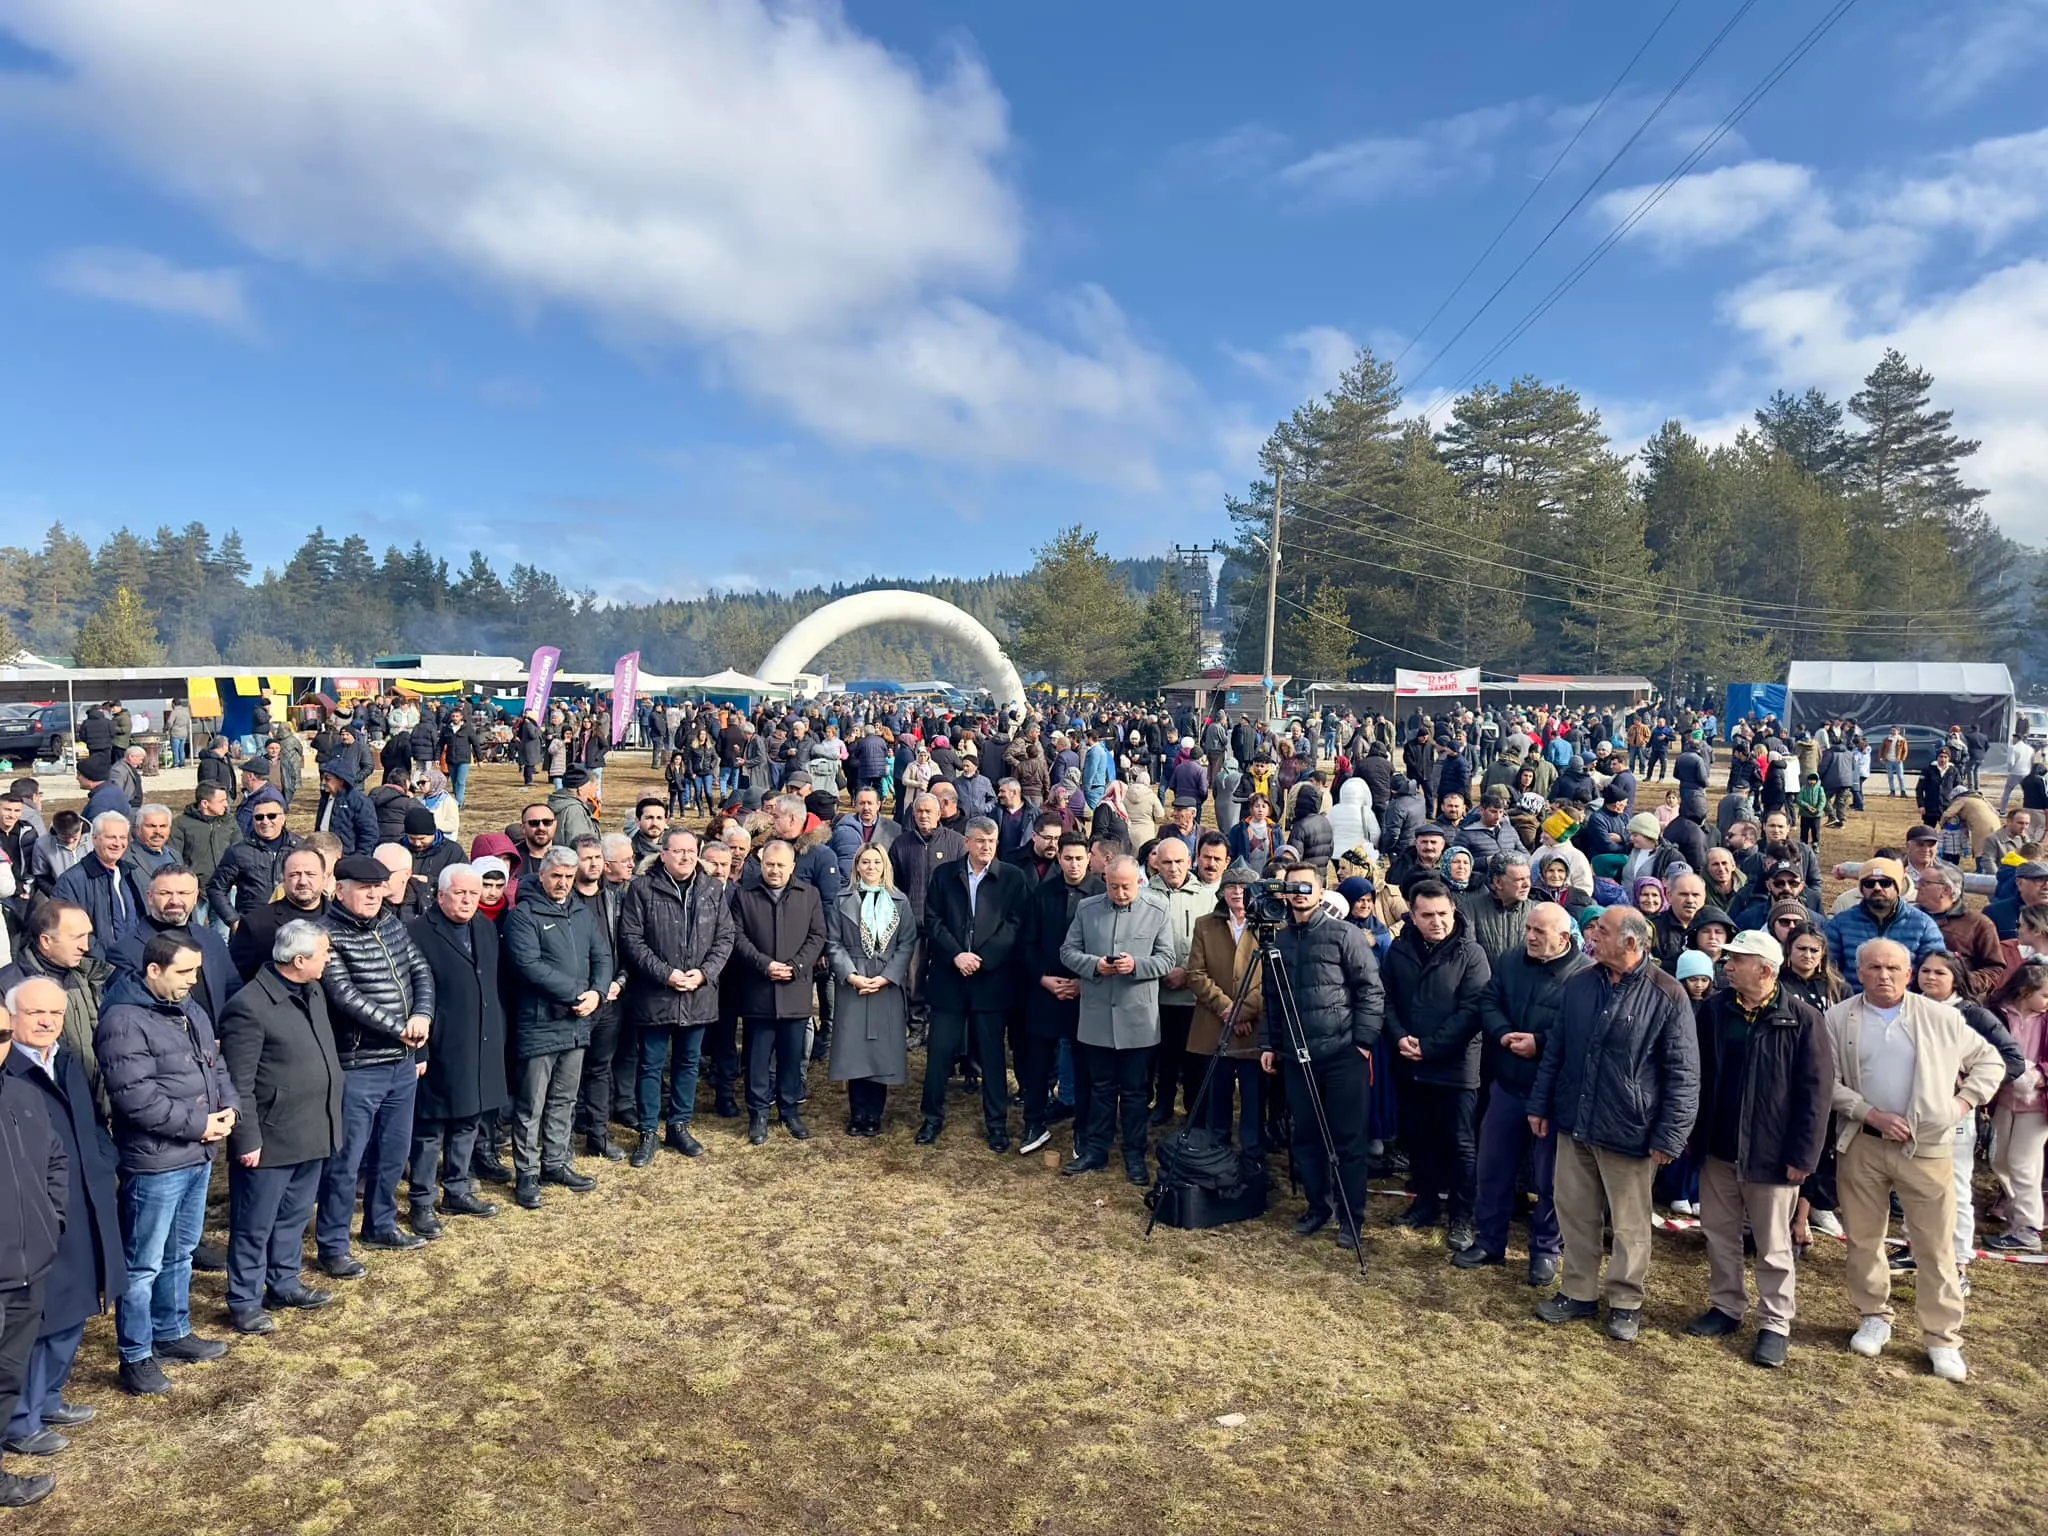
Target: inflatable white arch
{"x":836,"y":620}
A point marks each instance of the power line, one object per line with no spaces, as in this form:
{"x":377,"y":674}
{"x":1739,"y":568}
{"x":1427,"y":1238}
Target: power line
{"x":1678,"y":85}
{"x":1606,"y":590}
{"x":1359,"y":634}
{"x":1703,"y":600}
{"x":1542,"y":182}
{"x":1642,"y":209}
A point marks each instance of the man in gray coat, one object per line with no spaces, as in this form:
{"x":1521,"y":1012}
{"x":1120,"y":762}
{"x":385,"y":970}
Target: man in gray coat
{"x":1120,"y":945}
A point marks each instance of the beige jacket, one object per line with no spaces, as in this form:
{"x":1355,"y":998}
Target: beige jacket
{"x":1953,"y":1061}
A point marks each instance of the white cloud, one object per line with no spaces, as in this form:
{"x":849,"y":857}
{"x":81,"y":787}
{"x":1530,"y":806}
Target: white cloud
{"x":1463,"y":148}
{"x":1715,"y":207}
{"x":755,"y":179}
{"x":148,"y":281}
{"x":1988,"y":190}
{"x":1992,"y":41}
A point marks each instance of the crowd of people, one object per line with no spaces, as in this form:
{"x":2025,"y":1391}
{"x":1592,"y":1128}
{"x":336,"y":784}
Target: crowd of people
{"x":1509,"y":972}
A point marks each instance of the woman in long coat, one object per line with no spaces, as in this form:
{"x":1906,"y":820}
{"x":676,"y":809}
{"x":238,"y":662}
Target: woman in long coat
{"x":868,"y":939}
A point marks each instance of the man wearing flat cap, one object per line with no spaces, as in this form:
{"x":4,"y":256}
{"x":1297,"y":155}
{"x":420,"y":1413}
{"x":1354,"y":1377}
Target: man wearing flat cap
{"x":380,"y":1002}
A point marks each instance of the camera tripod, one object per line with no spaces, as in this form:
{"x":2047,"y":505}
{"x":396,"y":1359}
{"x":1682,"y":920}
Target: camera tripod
{"x":1268,"y":958}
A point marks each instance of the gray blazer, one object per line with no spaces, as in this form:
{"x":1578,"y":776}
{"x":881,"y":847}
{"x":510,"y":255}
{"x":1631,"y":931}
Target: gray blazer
{"x":1121,"y":1012}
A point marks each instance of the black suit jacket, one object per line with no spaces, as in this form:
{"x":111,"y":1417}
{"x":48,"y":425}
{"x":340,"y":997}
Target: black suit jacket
{"x":989,"y":928}
{"x":466,"y":1051}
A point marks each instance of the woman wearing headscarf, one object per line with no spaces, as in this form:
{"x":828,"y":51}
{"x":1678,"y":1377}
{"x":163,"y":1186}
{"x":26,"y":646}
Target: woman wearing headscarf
{"x":868,"y":940}
{"x":436,"y":798}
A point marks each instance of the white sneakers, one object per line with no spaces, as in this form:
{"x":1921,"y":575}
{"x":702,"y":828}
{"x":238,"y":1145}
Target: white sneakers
{"x":1826,"y":1222}
{"x":1033,"y":1142}
{"x":1948,"y":1364}
{"x":1874,"y":1333}
{"x":1870,"y":1337}
{"x":1685,"y":1208}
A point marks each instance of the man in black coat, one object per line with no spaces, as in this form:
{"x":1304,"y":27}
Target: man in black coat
{"x":1436,"y":978}
{"x":168,"y":906}
{"x":1515,"y":1019}
{"x":1767,"y":1073}
{"x":1619,"y":1082}
{"x":90,"y":1266}
{"x":778,"y":935}
{"x":304,"y":880}
{"x":34,"y":1194}
{"x":675,"y":938}
{"x":1332,"y":979}
{"x":280,"y":1051}
{"x":1052,"y":1006}
{"x":465,"y":1078}
{"x":248,"y":872}
{"x":380,"y":1000}
{"x":974,"y":914}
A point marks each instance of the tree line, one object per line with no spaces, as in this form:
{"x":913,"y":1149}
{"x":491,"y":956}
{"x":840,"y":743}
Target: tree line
{"x":187,"y":598}
{"x":1513,"y":535}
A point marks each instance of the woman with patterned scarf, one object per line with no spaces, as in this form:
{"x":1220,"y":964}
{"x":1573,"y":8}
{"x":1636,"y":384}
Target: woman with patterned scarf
{"x":868,"y":939}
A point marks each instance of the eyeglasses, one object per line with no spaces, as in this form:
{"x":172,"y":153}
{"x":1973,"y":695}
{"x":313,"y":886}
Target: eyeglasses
{"x":540,"y":821}
{"x":1878,"y":883}
{"x":1787,"y":922}
{"x":266,"y":818}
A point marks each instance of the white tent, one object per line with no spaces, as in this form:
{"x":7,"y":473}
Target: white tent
{"x":1878,"y":695}
{"x":731,"y":681}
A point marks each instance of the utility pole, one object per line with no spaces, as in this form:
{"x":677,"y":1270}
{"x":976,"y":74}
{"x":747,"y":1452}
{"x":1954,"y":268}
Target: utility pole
{"x":1273,"y":591}
{"x":1191,"y":565}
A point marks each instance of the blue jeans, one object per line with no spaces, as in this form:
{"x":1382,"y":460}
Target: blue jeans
{"x":376,"y":1135}
{"x":656,"y":1045}
{"x":1066,"y":1072}
{"x":1895,"y":778}
{"x":180,"y":745}
{"x":458,"y":781}
{"x":707,"y":788}
{"x":162,"y":1216}
{"x":728,"y":780}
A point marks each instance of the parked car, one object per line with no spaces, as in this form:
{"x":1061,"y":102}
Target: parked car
{"x":2034,"y":721}
{"x":33,"y":732}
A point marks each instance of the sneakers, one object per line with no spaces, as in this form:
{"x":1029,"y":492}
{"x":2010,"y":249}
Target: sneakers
{"x":1461,"y":1236}
{"x":1712,"y":1324}
{"x":1826,"y":1222}
{"x":1685,"y":1208}
{"x":1623,"y":1323}
{"x":1948,"y":1364}
{"x":190,"y":1350}
{"x":1870,"y":1337}
{"x":1770,"y":1350}
{"x":144,"y":1378}
{"x":1033,"y":1140}
{"x":1562,"y":1309}
{"x":2019,"y":1241}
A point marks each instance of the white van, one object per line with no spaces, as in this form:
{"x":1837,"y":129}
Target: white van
{"x":2034,"y":722}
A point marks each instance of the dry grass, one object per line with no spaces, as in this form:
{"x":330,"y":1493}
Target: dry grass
{"x":868,"y":1336}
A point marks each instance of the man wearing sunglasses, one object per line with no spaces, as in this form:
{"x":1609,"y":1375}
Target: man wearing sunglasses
{"x":250,"y":870}
{"x":536,"y":835}
{"x":1782,"y":881}
{"x":1883,"y":913}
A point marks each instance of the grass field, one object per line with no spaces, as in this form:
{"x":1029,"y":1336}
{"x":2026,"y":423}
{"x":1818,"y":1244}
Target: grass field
{"x":866,"y":1336}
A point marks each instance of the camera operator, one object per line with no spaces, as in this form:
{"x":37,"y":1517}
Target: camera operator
{"x":1333,"y":981}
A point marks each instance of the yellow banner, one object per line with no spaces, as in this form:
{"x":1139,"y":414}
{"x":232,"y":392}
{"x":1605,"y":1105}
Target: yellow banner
{"x":205,"y":698}
{"x":409,"y":686}
{"x":246,"y":687}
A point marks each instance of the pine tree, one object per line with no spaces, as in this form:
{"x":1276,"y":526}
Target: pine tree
{"x":1164,"y":649}
{"x":1073,"y":619}
{"x":1807,"y":429}
{"x":1906,"y":456}
{"x":1318,"y":639}
{"x":122,"y":633}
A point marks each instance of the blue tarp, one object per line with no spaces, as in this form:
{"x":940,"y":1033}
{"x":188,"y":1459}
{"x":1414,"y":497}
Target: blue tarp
{"x":1760,"y":699}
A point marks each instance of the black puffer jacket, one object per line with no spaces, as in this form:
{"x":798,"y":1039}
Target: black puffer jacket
{"x":1312,"y":835}
{"x":555,"y":954}
{"x":248,"y":874}
{"x":1523,"y":1000}
{"x":664,"y":927}
{"x":1434,"y":992}
{"x":1496,"y":926}
{"x":35,"y":1184}
{"x":1621,"y":1069}
{"x":375,"y":982}
{"x":164,"y":1073}
{"x":1334,"y":978}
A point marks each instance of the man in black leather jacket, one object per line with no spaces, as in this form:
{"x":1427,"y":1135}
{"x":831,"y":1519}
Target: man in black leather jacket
{"x":1333,"y":979}
{"x":380,"y":999}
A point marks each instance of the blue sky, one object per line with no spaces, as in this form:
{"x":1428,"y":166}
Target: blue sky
{"x":668,"y":295}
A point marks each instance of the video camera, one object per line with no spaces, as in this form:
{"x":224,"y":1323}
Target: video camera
{"x":1265,"y":901}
